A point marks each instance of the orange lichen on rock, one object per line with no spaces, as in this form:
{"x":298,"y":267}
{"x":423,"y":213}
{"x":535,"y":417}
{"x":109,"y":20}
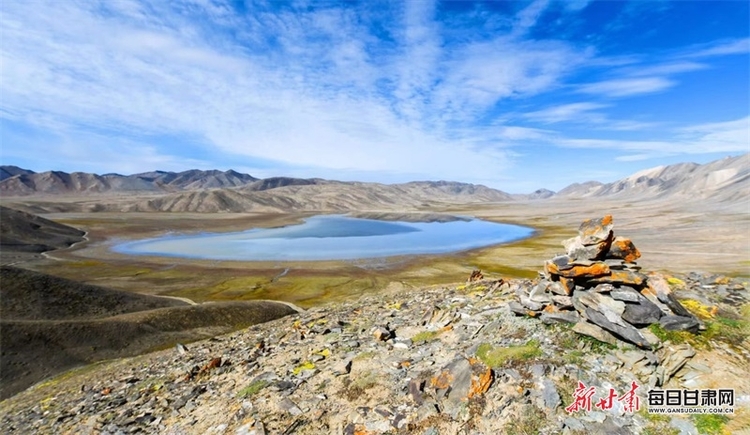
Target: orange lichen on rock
{"x":593,"y":231}
{"x":592,"y":271}
{"x":442,"y":381}
{"x":481,"y":378}
{"x":623,"y":248}
{"x":551,"y":309}
{"x":622,"y":277}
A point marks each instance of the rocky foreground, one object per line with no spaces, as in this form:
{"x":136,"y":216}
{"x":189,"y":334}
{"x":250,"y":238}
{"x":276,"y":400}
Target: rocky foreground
{"x":470,"y":359}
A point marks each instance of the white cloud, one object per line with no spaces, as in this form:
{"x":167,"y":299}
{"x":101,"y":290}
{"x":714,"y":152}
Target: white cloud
{"x":722,"y":48}
{"x":627,"y":86}
{"x":567,"y":112}
{"x":732,"y":136}
{"x":667,"y":68}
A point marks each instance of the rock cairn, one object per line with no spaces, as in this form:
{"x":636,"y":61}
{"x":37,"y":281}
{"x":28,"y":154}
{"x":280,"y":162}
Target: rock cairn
{"x":598,"y":286}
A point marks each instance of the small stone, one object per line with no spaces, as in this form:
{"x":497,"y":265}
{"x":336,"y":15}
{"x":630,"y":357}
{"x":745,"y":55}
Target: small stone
{"x":671,"y":360}
{"x":181,"y":348}
{"x":679,"y":323}
{"x":563,"y":301}
{"x":539,"y":294}
{"x":642,"y":313}
{"x":382,"y":334}
{"x":623,"y":248}
{"x":342,"y":368}
{"x":560,"y":317}
{"x":287,"y":405}
{"x":416,"y":390}
{"x":575,"y":249}
{"x":460,"y":381}
{"x":574,"y":424}
{"x":625,"y":294}
{"x":593,"y":331}
{"x":598,"y":269}
{"x":620,"y":277}
{"x":549,"y":394}
{"x":630,"y":358}
{"x":592,"y":231}
{"x":604,"y":288}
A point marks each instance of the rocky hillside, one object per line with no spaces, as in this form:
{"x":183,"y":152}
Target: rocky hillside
{"x":448,"y":359}
{"x":51,"y":324}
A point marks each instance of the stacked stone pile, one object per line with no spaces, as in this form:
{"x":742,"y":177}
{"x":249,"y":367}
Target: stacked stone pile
{"x":598,"y":286}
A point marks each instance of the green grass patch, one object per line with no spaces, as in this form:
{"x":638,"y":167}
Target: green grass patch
{"x":365,"y":355}
{"x":577,"y":357}
{"x":676,"y":337}
{"x":657,"y":424}
{"x":710,"y":424}
{"x":533,"y":420}
{"x":252,"y":389}
{"x":496,"y":357}
{"x":728,"y":330}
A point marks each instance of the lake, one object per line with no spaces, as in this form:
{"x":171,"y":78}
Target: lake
{"x":331,"y":237}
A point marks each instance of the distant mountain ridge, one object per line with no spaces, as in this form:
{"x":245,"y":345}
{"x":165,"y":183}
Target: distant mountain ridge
{"x":15,"y":181}
{"x":726,"y":180}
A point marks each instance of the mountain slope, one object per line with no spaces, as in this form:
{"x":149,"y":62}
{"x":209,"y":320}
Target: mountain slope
{"x":24,"y":232}
{"x":319,"y":195}
{"x":723,"y":180}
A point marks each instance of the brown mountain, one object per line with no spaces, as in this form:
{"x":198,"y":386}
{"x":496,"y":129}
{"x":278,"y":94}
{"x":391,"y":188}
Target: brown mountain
{"x":314,"y":195}
{"x":20,"y":182}
{"x":725,"y":180}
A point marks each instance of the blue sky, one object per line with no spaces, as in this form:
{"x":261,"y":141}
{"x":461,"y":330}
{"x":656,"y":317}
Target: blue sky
{"x":513,"y":95}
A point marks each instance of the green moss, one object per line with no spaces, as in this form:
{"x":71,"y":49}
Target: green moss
{"x":252,"y":389}
{"x":710,"y":424}
{"x":425,"y":336}
{"x":496,"y":357}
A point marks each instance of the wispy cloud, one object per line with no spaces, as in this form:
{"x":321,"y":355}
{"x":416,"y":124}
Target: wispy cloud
{"x":567,"y":112}
{"x":627,"y":87}
{"x":722,"y":137}
{"x":721,"y":48}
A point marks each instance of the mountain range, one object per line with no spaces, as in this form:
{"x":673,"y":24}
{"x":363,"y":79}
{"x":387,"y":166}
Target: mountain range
{"x":726,"y":180}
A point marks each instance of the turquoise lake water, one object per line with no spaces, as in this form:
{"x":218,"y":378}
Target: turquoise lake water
{"x":332,"y":238}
